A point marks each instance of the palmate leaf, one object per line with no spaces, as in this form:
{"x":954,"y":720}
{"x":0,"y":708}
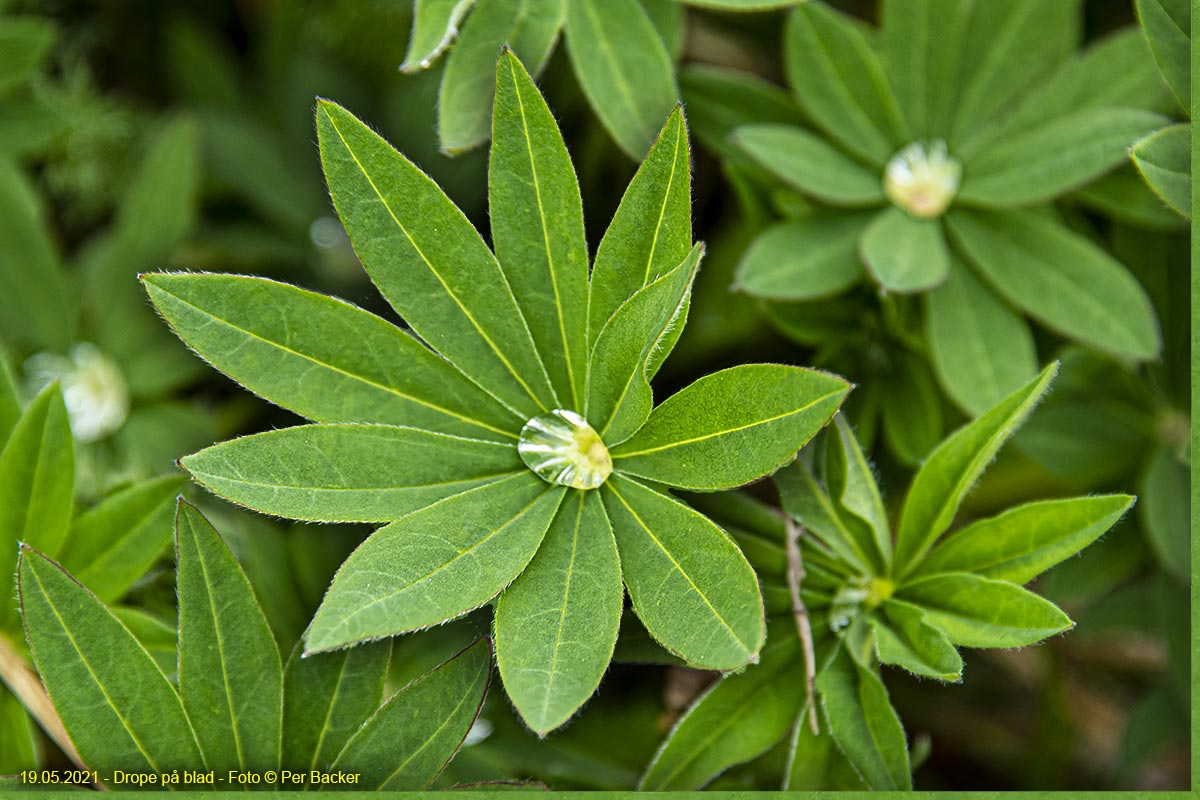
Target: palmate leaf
{"x":556,"y":625}
{"x":905,"y":254}
{"x":321,"y":357}
{"x":435,"y":24}
{"x":923,"y":47}
{"x":326,"y":698}
{"x":623,"y":68}
{"x":690,"y":585}
{"x":348,"y":473}
{"x":119,"y":709}
{"x":731,"y":427}
{"x":740,"y":717}
{"x":904,"y":638}
{"x":407,"y":742}
{"x":436,"y":563}
{"x":530,"y":177}
{"x":230,"y":676}
{"x":980,"y":612}
{"x":430,"y":263}
{"x":804,"y":259}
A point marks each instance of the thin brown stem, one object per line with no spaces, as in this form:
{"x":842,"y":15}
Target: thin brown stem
{"x":23,"y":682}
{"x":795,"y":576}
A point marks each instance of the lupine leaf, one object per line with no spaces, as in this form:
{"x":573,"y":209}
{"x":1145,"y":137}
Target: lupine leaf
{"x":651,"y":232}
{"x":37,"y":482}
{"x":24,"y":42}
{"x":905,"y":639}
{"x":807,"y":502}
{"x":119,"y":709}
{"x":840,"y":82}
{"x":980,"y":348}
{"x":1041,"y":163}
{"x":113,"y":544}
{"x":230,"y":676}
{"x":722,"y":100}
{"x":326,"y":698}
{"x":953,"y":468}
{"x":19,"y":742}
{"x":556,"y":625}
{"x":740,"y":717}
{"x":913,"y":421}
{"x":10,"y":400}
{"x":815,"y":764}
{"x":905,"y":254}
{"x":435,"y":24}
{"x":429,"y":262}
{"x":804,"y":259}
{"x":690,"y":586}
{"x":1008,"y":48}
{"x":321,"y":357}
{"x":347,"y":473}
{"x":530,"y":27}
{"x":853,"y":487}
{"x":809,"y":163}
{"x":437,"y":563}
{"x":1025,"y":541}
{"x":1165,"y":160}
{"x":1061,"y":279}
{"x":619,"y":397}
{"x":408,"y":742}
{"x":979,"y":612}
{"x":34,"y":311}
{"x":530,"y":178}
{"x":731,"y":427}
{"x":623,"y":68}
{"x":1167,"y":24}
{"x":159,"y":637}
{"x":863,"y":722}
{"x":670,"y":20}
{"x":1164,"y":515}
{"x":923,"y":45}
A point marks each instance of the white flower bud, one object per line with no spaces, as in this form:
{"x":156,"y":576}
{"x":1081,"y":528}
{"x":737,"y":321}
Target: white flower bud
{"x":922,"y":179}
{"x":94,"y":389}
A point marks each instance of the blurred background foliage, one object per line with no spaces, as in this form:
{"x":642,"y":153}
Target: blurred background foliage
{"x":151,"y":135}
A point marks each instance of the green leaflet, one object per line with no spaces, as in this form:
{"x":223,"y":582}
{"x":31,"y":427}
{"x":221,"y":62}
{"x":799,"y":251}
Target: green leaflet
{"x":111,"y":545}
{"x":1123,"y":196}
{"x":347,"y":473}
{"x":651,"y":231}
{"x":1025,"y":541}
{"x":619,"y":397}
{"x":430,"y":263}
{"x":807,"y":502}
{"x":159,"y":637}
{"x":119,"y":709}
{"x":407,"y":743}
{"x":230,"y":677}
{"x":804,"y":259}
{"x":923,"y":43}
{"x":556,"y":625}
{"x":623,"y":68}
{"x":326,"y":698}
{"x":863,"y":723}
{"x":904,"y":638}
{"x":721,"y":100}
{"x":1167,"y":24}
{"x":913,"y":421}
{"x":436,"y":563}
{"x":37,"y":482}
{"x":670,"y":20}
{"x":34,"y":309}
{"x":852,"y":486}
{"x":905,"y":254}
{"x":840,"y":82}
{"x":1060,"y":278}
{"x":690,"y":586}
{"x":537,"y":227}
{"x":24,"y":43}
{"x":811,"y":164}
{"x":1009,"y":47}
{"x":321,"y":357}
{"x":10,"y":400}
{"x":530,"y":27}
{"x":1041,"y":163}
{"x":815,"y":764}
{"x":731,"y":427}
{"x":1164,"y":158}
{"x":741,"y":716}
{"x":979,"y":612}
{"x":953,"y":468}
{"x":1164,"y":512}
{"x":980,"y":349}
{"x":435,"y":24}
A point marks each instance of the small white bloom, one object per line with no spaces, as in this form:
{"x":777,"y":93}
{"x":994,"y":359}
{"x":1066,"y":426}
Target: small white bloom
{"x":94,"y":390}
{"x":922,"y":179}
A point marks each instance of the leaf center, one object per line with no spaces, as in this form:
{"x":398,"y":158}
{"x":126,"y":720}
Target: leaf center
{"x":563,"y":449}
{"x":922,"y":179}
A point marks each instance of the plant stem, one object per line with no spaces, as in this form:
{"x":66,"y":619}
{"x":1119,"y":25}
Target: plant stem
{"x":16,"y":674}
{"x":795,"y":575}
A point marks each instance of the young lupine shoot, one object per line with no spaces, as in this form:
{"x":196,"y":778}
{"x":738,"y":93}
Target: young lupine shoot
{"x":519,"y":458}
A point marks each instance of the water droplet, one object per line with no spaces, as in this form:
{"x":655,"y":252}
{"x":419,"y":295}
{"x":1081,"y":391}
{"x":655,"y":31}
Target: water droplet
{"x":563,"y":449}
